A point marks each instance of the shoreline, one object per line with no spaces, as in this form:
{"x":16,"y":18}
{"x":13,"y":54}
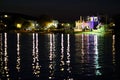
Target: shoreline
{"x":60,"y":31}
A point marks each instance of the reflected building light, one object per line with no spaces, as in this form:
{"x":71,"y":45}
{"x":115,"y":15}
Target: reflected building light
{"x":6,"y":57}
{"x":52,"y":56}
{"x":113,"y":48}
{"x":54,"y":44}
{"x":51,"y":50}
{"x":68,"y":49}
{"x":83,"y":48}
{"x":1,"y":50}
{"x":33,"y":54}
{"x":68,"y":53}
{"x":88,"y":41}
{"x":97,"y":66}
{"x":37,"y":46}
{"x":18,"y":52}
{"x":62,"y":46}
{"x":87,"y":47}
{"x":52,"y":47}
{"x":1,"y":55}
{"x":96,"y":43}
{"x":35,"y":65}
{"x":62,"y":63}
{"x":68,"y":43}
{"x":33,"y":45}
{"x":62,"y":50}
{"x":5,"y":34}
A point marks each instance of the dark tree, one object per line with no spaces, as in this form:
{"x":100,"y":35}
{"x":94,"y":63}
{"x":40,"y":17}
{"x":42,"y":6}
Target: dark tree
{"x":43,"y":20}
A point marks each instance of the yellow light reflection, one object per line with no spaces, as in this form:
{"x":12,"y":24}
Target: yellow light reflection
{"x":35,"y":65}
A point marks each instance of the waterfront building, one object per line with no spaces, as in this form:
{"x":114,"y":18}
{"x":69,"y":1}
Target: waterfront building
{"x":88,"y":23}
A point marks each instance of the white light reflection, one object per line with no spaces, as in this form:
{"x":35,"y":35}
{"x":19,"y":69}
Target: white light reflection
{"x":97,"y":66}
{"x":18,"y":52}
{"x":113,"y":48}
{"x":85,"y":48}
{"x":88,"y":47}
{"x":82,"y":49}
{"x":52,"y":56}
{"x":62,"y":53}
{"x":68,"y":53}
{"x":68,"y":58}
{"x":6,"y":57}
{"x":62,"y":46}
{"x":1,"y":55}
{"x":35,"y":64}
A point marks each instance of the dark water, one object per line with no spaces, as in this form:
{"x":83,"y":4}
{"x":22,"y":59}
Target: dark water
{"x":33,"y":56}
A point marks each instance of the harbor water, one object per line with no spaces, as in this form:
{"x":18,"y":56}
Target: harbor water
{"x":35,"y":56}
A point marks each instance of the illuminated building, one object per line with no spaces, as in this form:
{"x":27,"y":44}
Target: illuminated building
{"x":88,"y":24}
{"x":54,"y":24}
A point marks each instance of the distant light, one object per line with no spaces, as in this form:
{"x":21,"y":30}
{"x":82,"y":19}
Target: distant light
{"x":68,"y":24}
{"x":62,"y":24}
{"x":37,"y":24}
{"x":113,"y":24}
{"x":32,"y":24}
{"x":19,"y":25}
{"x":95,"y":19}
{"x":5,"y":25}
{"x":91,"y":18}
{"x":5,"y":16}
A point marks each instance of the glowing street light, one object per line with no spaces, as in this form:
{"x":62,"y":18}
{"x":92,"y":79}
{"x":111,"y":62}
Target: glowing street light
{"x":5,"y":16}
{"x":19,"y":25}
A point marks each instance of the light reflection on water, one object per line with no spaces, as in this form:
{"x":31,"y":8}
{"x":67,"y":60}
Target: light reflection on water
{"x":57,"y":56}
{"x":87,"y":53}
{"x":113,"y":48}
{"x":18,"y":53}
{"x":4,"y":57}
{"x":35,"y":64}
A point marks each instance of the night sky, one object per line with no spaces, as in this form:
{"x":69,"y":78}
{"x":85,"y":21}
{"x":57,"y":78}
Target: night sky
{"x":61,"y":8}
